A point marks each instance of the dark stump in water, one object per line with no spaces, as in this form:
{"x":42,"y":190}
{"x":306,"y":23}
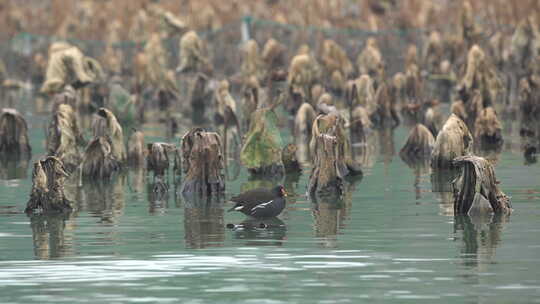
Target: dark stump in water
{"x":476,"y":190}
{"x":202,"y":163}
{"x":158,"y":157}
{"x":99,"y":162}
{"x":290,"y":162}
{"x":47,"y":194}
{"x":419,"y":144}
{"x":488,"y":130}
{"x":454,"y":140}
{"x":13,"y":133}
{"x":64,"y":137}
{"x":158,"y":162}
{"x":330,"y":168}
{"x":331,"y":150}
{"x":135,"y":153}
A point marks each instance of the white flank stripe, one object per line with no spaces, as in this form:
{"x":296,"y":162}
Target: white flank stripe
{"x":261,"y":205}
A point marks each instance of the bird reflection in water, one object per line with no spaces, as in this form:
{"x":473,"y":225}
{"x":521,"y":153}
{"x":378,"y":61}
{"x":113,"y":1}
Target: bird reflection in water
{"x":260,"y":232}
{"x":203,"y":221}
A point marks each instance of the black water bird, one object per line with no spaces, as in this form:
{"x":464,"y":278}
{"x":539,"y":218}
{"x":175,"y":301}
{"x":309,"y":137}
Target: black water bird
{"x":260,"y":202}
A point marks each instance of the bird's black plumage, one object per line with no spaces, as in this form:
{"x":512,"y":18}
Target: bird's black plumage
{"x":260,"y":202}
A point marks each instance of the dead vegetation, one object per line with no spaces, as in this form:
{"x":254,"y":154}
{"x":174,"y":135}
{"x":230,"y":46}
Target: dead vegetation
{"x":476,"y":190}
{"x":67,"y":65}
{"x":106,"y":125}
{"x":288,"y":156}
{"x":14,"y":134}
{"x":136,"y":149}
{"x":371,"y":98}
{"x":99,"y":161}
{"x":331,"y":154}
{"x":158,"y":157}
{"x":203,"y":163}
{"x":64,"y":137}
{"x":454,"y":140}
{"x":488,"y":129}
{"x":48,"y":178}
{"x":419,"y":144}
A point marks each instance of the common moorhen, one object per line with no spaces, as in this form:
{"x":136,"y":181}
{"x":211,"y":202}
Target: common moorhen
{"x":260,"y":202}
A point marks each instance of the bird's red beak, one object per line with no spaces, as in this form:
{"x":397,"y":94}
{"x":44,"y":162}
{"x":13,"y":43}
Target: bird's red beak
{"x":283,"y":192}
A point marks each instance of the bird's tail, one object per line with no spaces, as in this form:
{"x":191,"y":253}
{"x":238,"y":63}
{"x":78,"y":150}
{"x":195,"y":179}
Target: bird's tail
{"x":236,"y":207}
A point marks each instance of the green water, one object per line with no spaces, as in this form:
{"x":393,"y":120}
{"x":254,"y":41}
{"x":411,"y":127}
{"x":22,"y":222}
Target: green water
{"x":390,"y":240}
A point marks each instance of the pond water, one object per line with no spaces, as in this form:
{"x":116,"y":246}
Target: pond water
{"x":391,"y":239}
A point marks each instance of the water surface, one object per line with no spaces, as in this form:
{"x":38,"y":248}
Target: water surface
{"x":391,"y":239}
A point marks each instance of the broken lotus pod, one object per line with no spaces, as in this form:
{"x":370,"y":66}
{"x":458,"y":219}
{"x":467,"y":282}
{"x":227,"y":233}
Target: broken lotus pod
{"x":226,"y":113}
{"x":67,"y":65}
{"x":331,"y":149}
{"x":192,"y":57}
{"x":13,"y":133}
{"x":303,"y":122}
{"x":203,"y":163}
{"x":47,"y":194}
{"x":488,"y":129}
{"x":273,"y":54}
{"x":334,"y":58}
{"x":158,"y":157}
{"x":288,"y":156}
{"x":303,"y":73}
{"x":136,"y":150}
{"x":481,"y":75}
{"x":433,"y":119}
{"x":454,"y":140}
{"x":419,"y":143}
{"x":331,"y":124}
{"x":64,"y":136}
{"x":251,"y":61}
{"x":370,"y":60}
{"x":476,"y":190}
{"x":105,"y":124}
{"x":362,"y":93}
{"x":360,"y":125}
{"x":329,"y":169}
{"x":99,"y":161}
{"x":385,"y":113}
